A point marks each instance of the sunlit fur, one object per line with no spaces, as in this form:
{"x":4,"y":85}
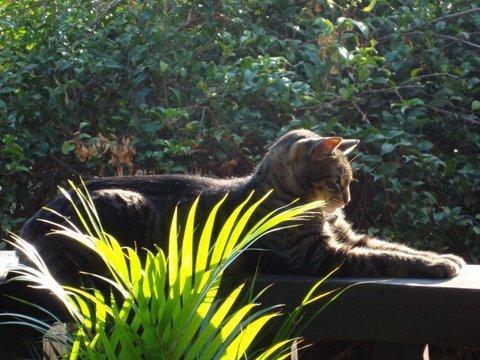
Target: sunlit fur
{"x":294,"y":173}
{"x":300,"y":165}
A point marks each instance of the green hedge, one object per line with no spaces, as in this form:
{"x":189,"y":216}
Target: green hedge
{"x":102,"y":88}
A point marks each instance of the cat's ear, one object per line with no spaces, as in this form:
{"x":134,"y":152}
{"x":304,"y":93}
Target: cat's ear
{"x":325,"y":146}
{"x":348,"y":145}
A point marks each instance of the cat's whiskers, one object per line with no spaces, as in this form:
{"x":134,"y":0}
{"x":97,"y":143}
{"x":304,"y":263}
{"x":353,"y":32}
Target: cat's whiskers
{"x":332,"y":205}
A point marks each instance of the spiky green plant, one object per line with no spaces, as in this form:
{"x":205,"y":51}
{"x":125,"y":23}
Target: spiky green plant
{"x":169,"y":307}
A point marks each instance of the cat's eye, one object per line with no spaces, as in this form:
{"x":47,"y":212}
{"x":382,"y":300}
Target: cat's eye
{"x":328,"y":183}
{"x":333,"y":184}
{"x":337,"y":182}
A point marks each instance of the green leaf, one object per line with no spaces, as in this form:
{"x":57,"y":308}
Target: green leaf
{"x":173,"y":263}
{"x":387,"y":148}
{"x":136,"y":53}
{"x":386,"y":169}
{"x":13,"y":149}
{"x":361,"y":26}
{"x":163,"y":66}
{"x":204,"y":244}
{"x":186,"y":267}
{"x":240,"y":344}
{"x":370,"y":6}
{"x":68,"y":147}
{"x":325,"y":25}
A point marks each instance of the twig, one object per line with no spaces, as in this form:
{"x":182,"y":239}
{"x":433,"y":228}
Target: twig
{"x":398,"y":93}
{"x":446,"y":17}
{"x":364,"y":116}
{"x":402,"y":33}
{"x":191,"y":21}
{"x":107,"y":11}
{"x":427,"y":76}
{"x":453,"y":16}
{"x":476,"y":46}
{"x":413,"y":31}
{"x":464,"y":118}
{"x":340,"y":99}
{"x":388,"y":90}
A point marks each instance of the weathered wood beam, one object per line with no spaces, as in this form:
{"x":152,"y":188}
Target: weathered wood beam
{"x":400,"y":310}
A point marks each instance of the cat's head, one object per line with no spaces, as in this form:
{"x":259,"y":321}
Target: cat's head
{"x":305,"y":165}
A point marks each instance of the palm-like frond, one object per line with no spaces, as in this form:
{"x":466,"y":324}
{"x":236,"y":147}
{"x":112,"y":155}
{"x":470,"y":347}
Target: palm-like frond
{"x":169,"y":305}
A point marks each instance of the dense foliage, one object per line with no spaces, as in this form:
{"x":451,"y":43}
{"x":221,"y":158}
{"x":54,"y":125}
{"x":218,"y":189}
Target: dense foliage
{"x":117,"y":87}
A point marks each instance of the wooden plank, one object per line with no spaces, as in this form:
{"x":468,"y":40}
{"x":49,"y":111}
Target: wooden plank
{"x":400,"y":310}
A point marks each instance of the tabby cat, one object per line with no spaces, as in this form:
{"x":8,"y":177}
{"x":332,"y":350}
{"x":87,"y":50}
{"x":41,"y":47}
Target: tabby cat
{"x":137,"y":211}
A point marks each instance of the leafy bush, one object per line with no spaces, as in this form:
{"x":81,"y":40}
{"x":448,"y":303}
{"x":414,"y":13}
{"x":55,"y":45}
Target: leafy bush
{"x":168,"y":305}
{"x":121,"y":87}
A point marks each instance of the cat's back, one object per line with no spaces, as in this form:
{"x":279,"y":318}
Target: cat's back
{"x":165,"y":185}
{"x":160,"y":194}
{"x":130,"y":206}
{"x":137,"y":210}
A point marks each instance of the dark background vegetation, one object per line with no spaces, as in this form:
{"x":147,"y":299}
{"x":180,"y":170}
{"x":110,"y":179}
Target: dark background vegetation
{"x":127,"y":87}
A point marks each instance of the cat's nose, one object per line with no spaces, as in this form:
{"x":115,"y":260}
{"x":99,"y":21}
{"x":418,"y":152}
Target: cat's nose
{"x":346,"y":196}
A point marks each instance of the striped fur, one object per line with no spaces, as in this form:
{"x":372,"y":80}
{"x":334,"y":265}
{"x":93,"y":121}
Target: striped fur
{"x":301,"y":164}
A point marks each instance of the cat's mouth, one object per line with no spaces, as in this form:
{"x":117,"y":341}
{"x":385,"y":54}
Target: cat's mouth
{"x":333,"y":205}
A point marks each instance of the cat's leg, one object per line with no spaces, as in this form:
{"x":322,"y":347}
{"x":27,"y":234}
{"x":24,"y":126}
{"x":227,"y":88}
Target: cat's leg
{"x":376,"y":244}
{"x":317,"y":256}
{"x":315,"y":250}
{"x":346,"y":234}
{"x":363,"y":261}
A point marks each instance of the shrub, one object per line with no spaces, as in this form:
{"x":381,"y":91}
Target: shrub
{"x":151,"y":87}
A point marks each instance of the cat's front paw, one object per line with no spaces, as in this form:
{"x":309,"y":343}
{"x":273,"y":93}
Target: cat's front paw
{"x":457,"y":259}
{"x":445,"y":266}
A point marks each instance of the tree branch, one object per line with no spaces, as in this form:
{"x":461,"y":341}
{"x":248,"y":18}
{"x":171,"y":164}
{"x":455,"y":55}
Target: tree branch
{"x":388,"y":90}
{"x":428,"y":76}
{"x":339,"y":99}
{"x":476,"y":46}
{"x":409,"y":33}
{"x":464,"y":118}
{"x":107,"y":11}
{"x":191,"y":21}
{"x":455,"y":15}
{"x":364,"y":116}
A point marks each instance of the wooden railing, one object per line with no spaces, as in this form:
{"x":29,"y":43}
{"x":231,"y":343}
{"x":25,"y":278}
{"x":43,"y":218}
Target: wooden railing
{"x":402,"y":315}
